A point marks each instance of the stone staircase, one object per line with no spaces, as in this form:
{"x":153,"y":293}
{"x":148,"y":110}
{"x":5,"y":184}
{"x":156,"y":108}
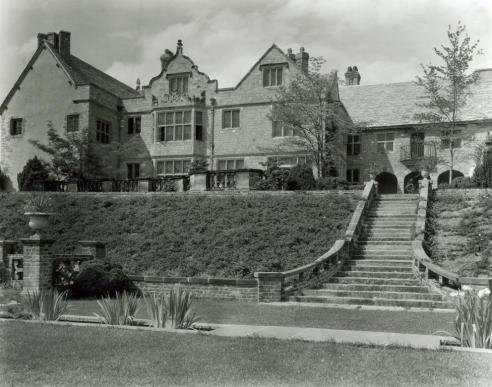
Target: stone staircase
{"x":380,"y":271}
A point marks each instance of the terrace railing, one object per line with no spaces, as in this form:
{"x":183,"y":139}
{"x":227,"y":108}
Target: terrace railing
{"x":221,"y":180}
{"x":418,"y":151}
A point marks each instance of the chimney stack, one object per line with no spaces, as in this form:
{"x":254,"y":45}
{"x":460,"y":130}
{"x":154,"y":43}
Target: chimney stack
{"x":302,"y":60}
{"x":64,"y":43}
{"x":41,"y":39}
{"x":352,"y":76}
{"x":52,"y":39}
{"x":290,"y":54}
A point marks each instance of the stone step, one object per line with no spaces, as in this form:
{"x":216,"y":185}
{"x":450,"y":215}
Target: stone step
{"x":395,"y":210}
{"x":374,"y":301}
{"x":372,"y":294}
{"x":377,"y":240}
{"x":394,"y":204}
{"x":378,"y":288}
{"x":402,"y":197}
{"x":380,"y":262}
{"x":385,"y":249}
{"x":376,"y":274}
{"x":391,"y":215}
{"x":401,"y":257}
{"x":364,"y":243}
{"x":375,"y":281}
{"x":379,"y":270}
{"x":388,"y":227}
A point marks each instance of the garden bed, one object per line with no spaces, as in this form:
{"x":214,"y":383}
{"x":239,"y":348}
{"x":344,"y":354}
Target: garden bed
{"x":194,"y":235}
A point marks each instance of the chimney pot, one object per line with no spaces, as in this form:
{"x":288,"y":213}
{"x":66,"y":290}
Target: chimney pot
{"x":352,"y":76}
{"x":179,"y":49}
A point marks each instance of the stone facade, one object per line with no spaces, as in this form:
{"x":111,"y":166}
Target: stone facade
{"x":183,"y":115}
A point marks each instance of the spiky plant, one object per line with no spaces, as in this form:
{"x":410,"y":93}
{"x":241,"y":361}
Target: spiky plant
{"x":156,"y":309}
{"x":120,"y":310}
{"x":45,"y":305}
{"x":180,"y":314}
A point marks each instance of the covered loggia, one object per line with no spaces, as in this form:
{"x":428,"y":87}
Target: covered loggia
{"x":387,"y":183}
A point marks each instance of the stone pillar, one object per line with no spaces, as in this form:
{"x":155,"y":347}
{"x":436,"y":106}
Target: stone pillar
{"x":6,"y":248}
{"x":179,"y":184}
{"x":270,"y":286}
{"x":198,"y":181}
{"x":38,"y":264}
{"x":144,"y":185}
{"x":242,"y":180}
{"x":95,"y":248}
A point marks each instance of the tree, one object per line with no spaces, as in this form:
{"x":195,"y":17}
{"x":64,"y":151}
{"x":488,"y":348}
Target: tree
{"x":447,"y":87}
{"x":308,"y":107}
{"x":482,"y":176}
{"x":35,"y":171}
{"x":74,"y":156}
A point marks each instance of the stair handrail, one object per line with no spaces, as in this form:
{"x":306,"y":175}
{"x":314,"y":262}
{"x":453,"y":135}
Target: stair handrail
{"x":328,"y":264}
{"x":423,"y":264}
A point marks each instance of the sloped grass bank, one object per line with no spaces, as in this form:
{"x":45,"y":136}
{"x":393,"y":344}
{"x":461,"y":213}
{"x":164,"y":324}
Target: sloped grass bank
{"x":180,"y":235}
{"x":460,"y":231}
{"x":91,"y":356}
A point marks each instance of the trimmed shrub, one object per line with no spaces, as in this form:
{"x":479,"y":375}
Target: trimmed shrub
{"x":35,"y":171}
{"x":327,"y":183}
{"x":482,"y":176}
{"x":4,"y":179}
{"x":300,"y":178}
{"x":462,"y":182}
{"x":97,"y":279}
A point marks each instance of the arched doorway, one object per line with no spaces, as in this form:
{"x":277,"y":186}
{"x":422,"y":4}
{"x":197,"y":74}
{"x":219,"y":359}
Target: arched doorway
{"x":411,"y":182}
{"x":443,"y":178}
{"x":387,"y":183}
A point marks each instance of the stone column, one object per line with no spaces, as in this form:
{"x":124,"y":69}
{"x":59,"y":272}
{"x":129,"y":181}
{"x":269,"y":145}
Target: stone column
{"x":270,"y":286}
{"x":198,"y":181}
{"x":6,"y":248}
{"x":242,"y":180}
{"x":38,"y":264}
{"x":95,"y":248}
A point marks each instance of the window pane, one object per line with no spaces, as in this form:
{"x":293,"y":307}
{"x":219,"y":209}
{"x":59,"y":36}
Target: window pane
{"x":136,"y":171}
{"x":169,"y":118}
{"x":221,"y":165}
{"x":187,"y":117}
{"x":356,"y":149}
{"x":161,"y":118}
{"x":185,"y":85}
{"x":277,"y":129}
{"x":186,"y":166}
{"x":130,"y":125}
{"x":230,"y":164}
{"x":226,"y":119}
{"x":199,"y":133}
{"x":178,"y":166}
{"x":162,"y":132}
{"x":381,"y":146}
{"x":355,"y":176}
{"x":179,"y":117}
{"x":381,"y":137}
{"x":198,"y":118}
{"x":160,"y":167}
{"x":389,"y":146}
{"x":129,"y":171}
{"x":349,"y":149}
{"x":239,"y":164}
{"x":279,"y":76}
{"x":390,"y":136}
{"x":178,"y":134}
{"x":169,"y":167}
{"x":235,"y":118}
{"x":138,"y":124}
{"x":288,"y":131}
{"x":187,"y":132}
{"x":266,"y":74}
{"x":169,"y":133}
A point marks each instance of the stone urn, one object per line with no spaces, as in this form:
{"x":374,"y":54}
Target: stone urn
{"x":424,"y":173}
{"x":38,"y":221}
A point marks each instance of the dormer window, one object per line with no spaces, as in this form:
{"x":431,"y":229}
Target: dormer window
{"x":178,"y":84}
{"x":272,"y":76}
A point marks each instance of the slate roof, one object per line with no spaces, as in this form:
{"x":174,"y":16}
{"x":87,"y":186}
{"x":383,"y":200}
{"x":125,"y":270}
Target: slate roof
{"x":395,"y":104}
{"x":83,"y":74}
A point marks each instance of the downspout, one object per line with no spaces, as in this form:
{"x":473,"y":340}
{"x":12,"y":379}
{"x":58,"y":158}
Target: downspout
{"x":213,"y":102}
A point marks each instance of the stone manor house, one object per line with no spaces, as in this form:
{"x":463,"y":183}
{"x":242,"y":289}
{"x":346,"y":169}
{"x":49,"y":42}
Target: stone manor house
{"x":182,"y":115}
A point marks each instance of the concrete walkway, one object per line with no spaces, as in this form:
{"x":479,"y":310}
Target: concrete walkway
{"x":331,"y":335}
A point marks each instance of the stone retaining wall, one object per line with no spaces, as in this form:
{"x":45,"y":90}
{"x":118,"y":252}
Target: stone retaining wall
{"x":218,"y":288}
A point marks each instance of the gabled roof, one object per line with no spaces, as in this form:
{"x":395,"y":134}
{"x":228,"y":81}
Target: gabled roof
{"x":395,"y":104}
{"x":79,"y":72}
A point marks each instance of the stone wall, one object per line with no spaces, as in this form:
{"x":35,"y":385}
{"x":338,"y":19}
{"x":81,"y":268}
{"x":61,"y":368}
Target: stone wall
{"x":226,"y":289}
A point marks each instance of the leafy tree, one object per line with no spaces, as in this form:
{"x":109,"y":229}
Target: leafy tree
{"x":35,"y":171}
{"x":4,"y":180}
{"x":482,"y":176}
{"x":447,"y":87}
{"x":74,"y":156}
{"x":309,"y":107}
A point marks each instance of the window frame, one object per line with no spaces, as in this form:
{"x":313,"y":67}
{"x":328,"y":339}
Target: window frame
{"x":225,"y":112}
{"x":354,"y":145}
{"x":182,"y":83}
{"x":136,"y":126}
{"x":185,"y":167}
{"x":457,"y":142}
{"x":285,"y":130}
{"x":300,"y":160}
{"x":17,"y":124}
{"x":103,"y":131}
{"x":228,"y":162}
{"x":132,"y":171}
{"x":350,"y":175}
{"x":268,"y":77}
{"x":167,"y":131}
{"x":70,"y":120}
{"x":385,"y":142}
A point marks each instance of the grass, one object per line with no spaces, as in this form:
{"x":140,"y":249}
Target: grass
{"x":460,"y":233}
{"x":180,"y":235}
{"x":236,"y":312}
{"x":92,"y":356}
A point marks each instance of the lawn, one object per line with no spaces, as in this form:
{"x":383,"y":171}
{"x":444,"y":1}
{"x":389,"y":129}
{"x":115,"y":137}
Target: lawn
{"x":38,"y":354}
{"x":193,"y":235}
{"x":237,"y":312}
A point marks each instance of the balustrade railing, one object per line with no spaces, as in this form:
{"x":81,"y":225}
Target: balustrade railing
{"x":418,"y":151}
{"x":221,"y":180}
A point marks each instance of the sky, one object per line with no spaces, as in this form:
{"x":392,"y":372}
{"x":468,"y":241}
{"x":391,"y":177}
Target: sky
{"x":386,"y":39}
